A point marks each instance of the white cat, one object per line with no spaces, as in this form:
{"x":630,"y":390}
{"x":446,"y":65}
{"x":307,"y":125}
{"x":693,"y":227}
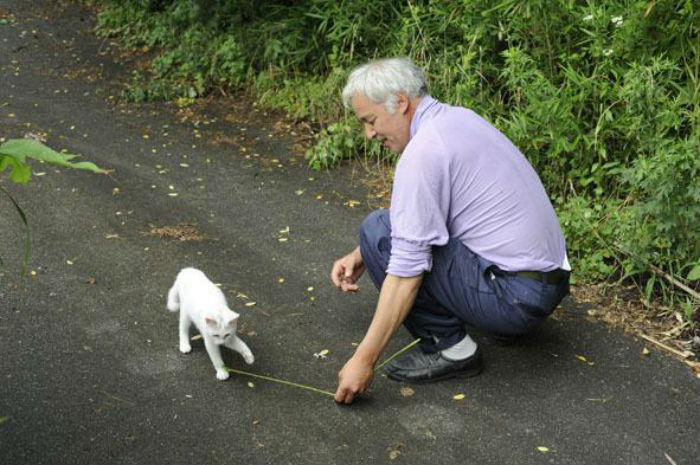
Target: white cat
{"x":202,"y":303}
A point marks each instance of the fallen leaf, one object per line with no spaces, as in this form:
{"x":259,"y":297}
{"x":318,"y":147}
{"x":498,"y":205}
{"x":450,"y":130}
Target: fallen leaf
{"x":299,"y":191}
{"x":352,"y":203}
{"x":407,"y":391}
{"x":196,"y":337}
{"x":543,"y":449}
{"x":250,"y":304}
{"x":324,"y":352}
{"x":459,"y":397}
{"x":310,"y":288}
{"x":281,"y":280}
{"x":251,"y":385}
{"x":69,"y":262}
{"x":283,"y":239}
{"x":645,"y":351}
{"x":91,"y":281}
{"x":584,"y":359}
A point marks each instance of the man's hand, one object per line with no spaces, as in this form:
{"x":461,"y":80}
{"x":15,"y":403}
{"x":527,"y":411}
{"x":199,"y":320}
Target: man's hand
{"x":347,"y":270}
{"x":355,"y":378}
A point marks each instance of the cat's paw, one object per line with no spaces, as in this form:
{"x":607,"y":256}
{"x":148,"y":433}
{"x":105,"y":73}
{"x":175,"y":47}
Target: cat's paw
{"x":222,"y":375}
{"x":249,"y":359}
{"x":185,"y":348}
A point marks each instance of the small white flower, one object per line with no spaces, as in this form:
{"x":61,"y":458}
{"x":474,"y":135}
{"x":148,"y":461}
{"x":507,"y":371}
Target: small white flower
{"x":588,"y":17}
{"x":607,"y":52}
{"x":617,"y":21}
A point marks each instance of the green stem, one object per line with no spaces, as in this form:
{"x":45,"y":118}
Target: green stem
{"x":379,"y":367}
{"x":281,"y":381}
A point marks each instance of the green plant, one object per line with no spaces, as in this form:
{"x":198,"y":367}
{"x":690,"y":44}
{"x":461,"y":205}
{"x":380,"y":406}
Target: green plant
{"x":15,"y":155}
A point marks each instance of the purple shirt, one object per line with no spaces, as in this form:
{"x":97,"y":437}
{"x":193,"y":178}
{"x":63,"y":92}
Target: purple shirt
{"x":459,"y":177}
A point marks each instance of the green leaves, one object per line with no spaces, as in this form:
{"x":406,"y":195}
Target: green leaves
{"x":14,"y":154}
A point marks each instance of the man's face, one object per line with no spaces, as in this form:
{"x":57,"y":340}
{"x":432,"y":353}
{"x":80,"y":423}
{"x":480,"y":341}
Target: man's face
{"x":391,"y":129}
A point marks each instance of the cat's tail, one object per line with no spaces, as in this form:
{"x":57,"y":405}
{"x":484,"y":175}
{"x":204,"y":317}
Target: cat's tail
{"x":173,"y":299}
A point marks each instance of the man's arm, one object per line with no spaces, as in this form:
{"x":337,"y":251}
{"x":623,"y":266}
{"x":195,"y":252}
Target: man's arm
{"x":395,"y":301}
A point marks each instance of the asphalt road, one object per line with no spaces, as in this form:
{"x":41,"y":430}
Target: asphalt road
{"x":91,"y":371}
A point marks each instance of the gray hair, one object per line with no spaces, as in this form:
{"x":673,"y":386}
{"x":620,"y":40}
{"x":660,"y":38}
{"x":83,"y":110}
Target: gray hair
{"x":381,"y":80}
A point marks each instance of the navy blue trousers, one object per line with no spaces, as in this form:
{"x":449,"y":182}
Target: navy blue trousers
{"x":461,"y":289}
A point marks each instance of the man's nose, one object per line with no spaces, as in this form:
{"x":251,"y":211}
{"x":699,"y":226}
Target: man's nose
{"x":370,"y":133}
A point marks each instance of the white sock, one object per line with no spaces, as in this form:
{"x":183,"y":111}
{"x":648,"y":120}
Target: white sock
{"x":463,"y":349}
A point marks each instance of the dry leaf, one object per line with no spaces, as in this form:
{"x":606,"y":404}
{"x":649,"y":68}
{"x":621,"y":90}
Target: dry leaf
{"x":645,"y":351}
{"x":459,"y":397}
{"x":407,"y":391}
{"x":196,"y":337}
{"x":543,"y":449}
{"x":250,"y":304}
{"x":584,"y":359}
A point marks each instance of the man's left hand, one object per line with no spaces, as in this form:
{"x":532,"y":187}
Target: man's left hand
{"x":355,"y":378}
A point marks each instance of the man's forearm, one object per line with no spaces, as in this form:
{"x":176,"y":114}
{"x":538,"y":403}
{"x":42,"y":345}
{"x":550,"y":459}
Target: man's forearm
{"x":395,"y":302}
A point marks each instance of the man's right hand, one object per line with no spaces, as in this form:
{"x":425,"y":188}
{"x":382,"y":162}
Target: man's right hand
{"x":347,"y":270}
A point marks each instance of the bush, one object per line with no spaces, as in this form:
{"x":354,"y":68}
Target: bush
{"x":603,"y":98}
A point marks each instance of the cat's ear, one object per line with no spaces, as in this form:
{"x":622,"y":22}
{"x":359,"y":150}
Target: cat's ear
{"x":212,"y":323}
{"x":231,"y":322}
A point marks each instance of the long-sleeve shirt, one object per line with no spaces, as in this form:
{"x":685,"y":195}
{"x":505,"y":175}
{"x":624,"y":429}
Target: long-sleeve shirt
{"x":459,"y":177}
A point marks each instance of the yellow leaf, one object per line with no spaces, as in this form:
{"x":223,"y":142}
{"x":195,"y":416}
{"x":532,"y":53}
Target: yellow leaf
{"x":281,"y":280}
{"x":310,"y":288}
{"x":250,"y":304}
{"x":543,"y":449}
{"x":459,"y":397}
{"x":581,"y":357}
{"x":645,"y":351}
{"x":324,"y":352}
{"x":407,"y":391}
{"x":196,"y":337}
{"x":283,"y":239}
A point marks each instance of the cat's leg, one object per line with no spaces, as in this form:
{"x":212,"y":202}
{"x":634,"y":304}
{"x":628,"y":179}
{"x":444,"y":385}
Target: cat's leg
{"x":215,"y":356}
{"x":185,"y":323}
{"x":173,"y":299}
{"x":237,"y":344}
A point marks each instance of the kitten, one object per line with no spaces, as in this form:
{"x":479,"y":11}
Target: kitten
{"x":202,"y":303}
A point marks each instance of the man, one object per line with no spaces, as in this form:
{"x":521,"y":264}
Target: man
{"x":471,"y":237}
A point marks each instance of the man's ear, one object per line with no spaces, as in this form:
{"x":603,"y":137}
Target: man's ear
{"x":403,"y":103}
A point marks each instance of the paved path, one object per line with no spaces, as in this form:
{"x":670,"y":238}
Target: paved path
{"x":90,"y":367}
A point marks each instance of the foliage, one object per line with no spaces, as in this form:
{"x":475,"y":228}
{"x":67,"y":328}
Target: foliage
{"x":602,"y":97}
{"x":14,"y":154}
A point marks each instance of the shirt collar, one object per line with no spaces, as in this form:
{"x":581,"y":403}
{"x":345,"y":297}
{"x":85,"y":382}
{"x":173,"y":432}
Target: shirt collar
{"x":424,"y":105}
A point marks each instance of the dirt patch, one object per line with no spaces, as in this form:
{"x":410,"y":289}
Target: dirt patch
{"x":183,"y":232}
{"x":661,"y":328}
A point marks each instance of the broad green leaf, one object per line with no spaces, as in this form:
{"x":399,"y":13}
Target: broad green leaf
{"x":694,"y":274}
{"x":21,"y":149}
